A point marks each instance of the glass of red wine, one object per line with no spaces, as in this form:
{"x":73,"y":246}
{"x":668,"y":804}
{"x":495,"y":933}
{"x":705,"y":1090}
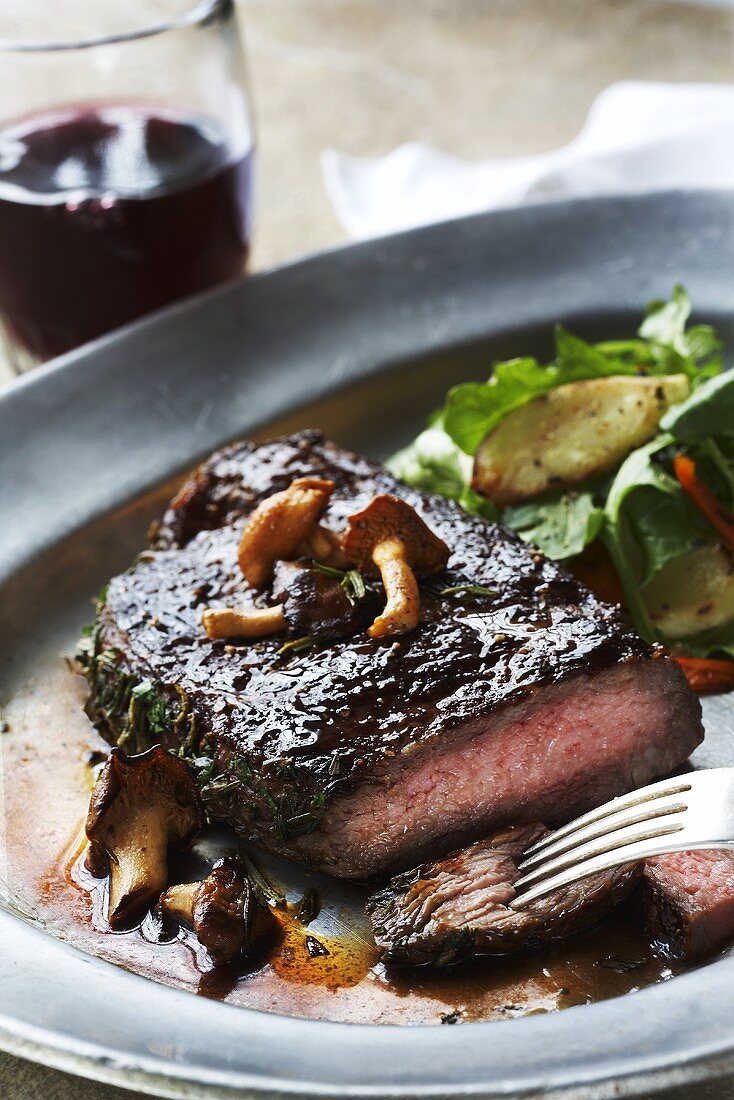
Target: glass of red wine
{"x":125,"y":171}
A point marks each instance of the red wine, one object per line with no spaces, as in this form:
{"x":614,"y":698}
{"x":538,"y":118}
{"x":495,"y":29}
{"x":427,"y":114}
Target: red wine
{"x":109,"y":212}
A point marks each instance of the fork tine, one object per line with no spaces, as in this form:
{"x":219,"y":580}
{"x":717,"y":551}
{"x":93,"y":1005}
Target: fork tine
{"x":619,"y":838}
{"x":641,"y":847}
{"x":677,"y":785}
{"x":607,"y":826}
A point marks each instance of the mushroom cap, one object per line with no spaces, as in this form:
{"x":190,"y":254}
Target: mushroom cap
{"x":129,"y":784}
{"x":278,"y":525}
{"x":223,"y":910}
{"x":385,"y":518}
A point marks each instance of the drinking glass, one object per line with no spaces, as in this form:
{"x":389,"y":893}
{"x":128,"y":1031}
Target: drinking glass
{"x":125,"y":165}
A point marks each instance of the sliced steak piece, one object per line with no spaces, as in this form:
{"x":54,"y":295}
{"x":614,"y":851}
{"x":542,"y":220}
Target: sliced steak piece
{"x":688,"y":902}
{"x":533,"y":701}
{"x":458,"y":907}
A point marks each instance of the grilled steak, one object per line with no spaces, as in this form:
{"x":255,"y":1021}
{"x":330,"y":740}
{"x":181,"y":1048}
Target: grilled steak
{"x":531,"y":701}
{"x":458,"y":907}
{"x":688,"y":902}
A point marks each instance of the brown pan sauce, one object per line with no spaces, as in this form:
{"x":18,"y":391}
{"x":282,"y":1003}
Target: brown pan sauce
{"x":327,"y":970}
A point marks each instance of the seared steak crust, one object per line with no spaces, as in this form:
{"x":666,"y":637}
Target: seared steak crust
{"x":459,"y":907}
{"x":293,"y":746}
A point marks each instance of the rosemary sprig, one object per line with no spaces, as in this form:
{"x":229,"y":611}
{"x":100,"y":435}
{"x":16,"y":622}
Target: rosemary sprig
{"x":270,"y":894}
{"x":471,"y":589}
{"x":327,"y":570}
{"x":297,"y":645}
{"x":351,"y":580}
{"x":354,"y":580}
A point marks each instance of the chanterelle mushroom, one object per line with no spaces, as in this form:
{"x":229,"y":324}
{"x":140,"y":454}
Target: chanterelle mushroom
{"x":278,"y":526}
{"x":220,"y":909}
{"x":141,"y":807}
{"x":251,"y":622}
{"x":390,"y":536}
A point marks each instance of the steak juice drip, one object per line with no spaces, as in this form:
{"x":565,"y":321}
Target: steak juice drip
{"x":108,"y":212}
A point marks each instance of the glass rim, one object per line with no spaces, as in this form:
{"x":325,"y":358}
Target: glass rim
{"x":197,"y":14}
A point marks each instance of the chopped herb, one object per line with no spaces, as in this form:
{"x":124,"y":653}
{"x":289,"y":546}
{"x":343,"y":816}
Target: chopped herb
{"x":297,"y":645}
{"x":351,"y":580}
{"x":619,"y":964}
{"x":268,"y":894}
{"x":300,"y":824}
{"x":315,"y":947}
{"x":204,"y":767}
{"x":145,"y":687}
{"x":327,"y":570}
{"x":354,"y":582}
{"x":470,"y":589}
{"x":309,"y":907}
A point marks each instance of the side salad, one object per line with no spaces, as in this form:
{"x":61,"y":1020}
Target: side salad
{"x":616,"y":458}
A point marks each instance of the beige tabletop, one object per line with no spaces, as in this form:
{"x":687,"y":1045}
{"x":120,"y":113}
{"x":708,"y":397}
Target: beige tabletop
{"x":474,"y":77}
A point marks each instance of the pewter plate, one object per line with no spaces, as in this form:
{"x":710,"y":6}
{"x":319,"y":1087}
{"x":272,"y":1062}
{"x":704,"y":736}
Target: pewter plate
{"x":362,"y":343}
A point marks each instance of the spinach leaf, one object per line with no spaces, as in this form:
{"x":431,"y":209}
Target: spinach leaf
{"x":473,"y":409}
{"x":654,"y":519}
{"x":692,"y":351}
{"x":559,"y":525}
{"x":714,"y":460}
{"x":718,"y":642}
{"x":664,"y":524}
{"x":435,"y":464}
{"x":709,"y":411}
{"x":648,"y":522}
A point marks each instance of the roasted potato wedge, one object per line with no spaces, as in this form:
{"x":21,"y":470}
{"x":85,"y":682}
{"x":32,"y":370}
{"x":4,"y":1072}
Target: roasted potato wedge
{"x":570,"y":434}
{"x":693,"y":593}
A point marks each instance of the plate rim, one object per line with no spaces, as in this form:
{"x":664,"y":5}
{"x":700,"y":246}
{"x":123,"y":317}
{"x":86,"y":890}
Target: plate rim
{"x":589,"y":258}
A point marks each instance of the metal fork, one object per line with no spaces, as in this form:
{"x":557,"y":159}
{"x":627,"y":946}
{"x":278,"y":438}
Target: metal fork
{"x":677,"y":815}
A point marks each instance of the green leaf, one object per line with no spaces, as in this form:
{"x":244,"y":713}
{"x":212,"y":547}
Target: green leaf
{"x":559,"y":525}
{"x":718,"y":642}
{"x":665,"y":527}
{"x":475,"y":408}
{"x":435,"y":464}
{"x":578,"y":360}
{"x":648,"y":522}
{"x":665,"y":321}
{"x":655,"y":519}
{"x":715,"y":467}
{"x":709,"y":411}
{"x":674,"y":348}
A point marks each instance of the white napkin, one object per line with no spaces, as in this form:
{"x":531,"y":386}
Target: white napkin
{"x":638,"y":136}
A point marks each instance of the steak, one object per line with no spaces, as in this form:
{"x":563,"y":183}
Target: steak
{"x":688,"y":902}
{"x":523,"y":699}
{"x":458,"y":907}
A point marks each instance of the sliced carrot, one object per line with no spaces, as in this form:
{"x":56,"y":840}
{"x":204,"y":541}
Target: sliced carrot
{"x":703,"y":498}
{"x":706,"y":675}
